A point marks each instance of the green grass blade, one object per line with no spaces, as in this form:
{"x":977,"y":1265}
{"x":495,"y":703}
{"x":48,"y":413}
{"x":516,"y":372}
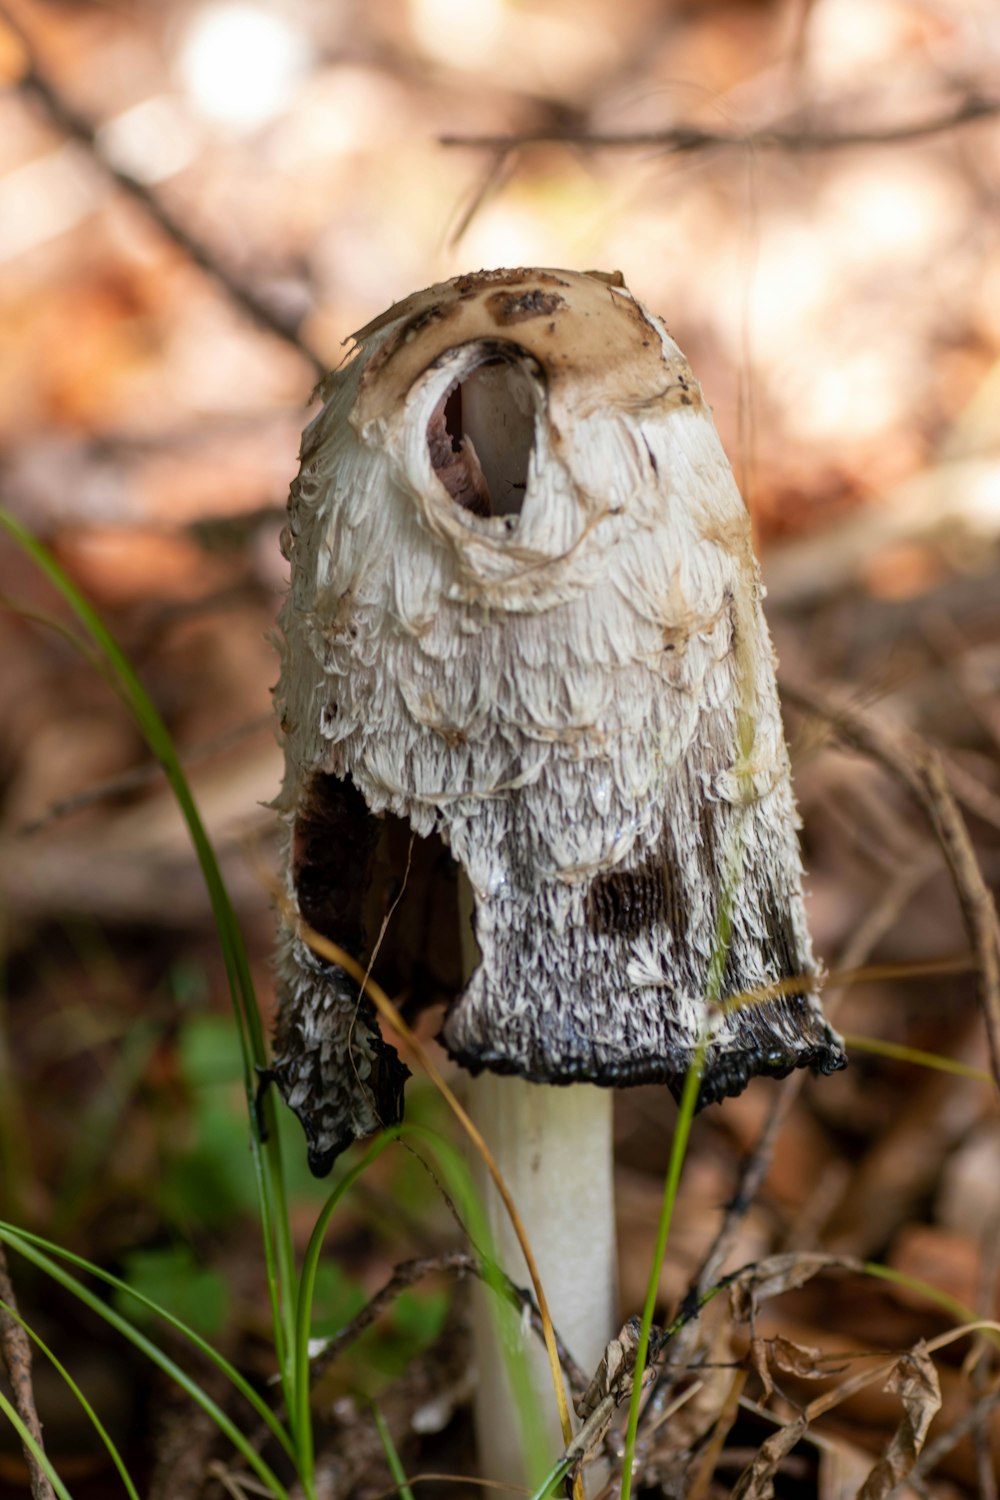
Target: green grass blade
{"x":301,"y":1417}
{"x":95,"y":1420}
{"x":96,"y":1129}
{"x":279,"y":1258}
{"x":166,"y":1364}
{"x":678,"y":1151}
{"x":41,"y":1252}
{"x":458,"y":1180}
{"x":950,"y":1305}
{"x":56,"y":626}
{"x":745,"y":738}
{"x":900,"y":1053}
{"x":391,"y":1455}
{"x":37,"y":1453}
{"x":552,"y":1480}
{"x":688,"y":1104}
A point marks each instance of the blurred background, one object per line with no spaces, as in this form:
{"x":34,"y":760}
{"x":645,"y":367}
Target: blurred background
{"x":199,"y":200}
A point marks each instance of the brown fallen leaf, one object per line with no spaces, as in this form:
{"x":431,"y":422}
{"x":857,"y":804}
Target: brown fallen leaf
{"x":781,"y":1273}
{"x":805,"y":1361}
{"x":757,"y":1480}
{"x":915,"y":1380}
{"x":760,"y":1367}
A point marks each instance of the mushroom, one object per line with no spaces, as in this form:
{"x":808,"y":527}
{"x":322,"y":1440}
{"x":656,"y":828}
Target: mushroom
{"x":525,"y":619}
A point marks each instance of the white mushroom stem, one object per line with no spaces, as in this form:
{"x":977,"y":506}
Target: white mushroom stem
{"x":553,"y":1148}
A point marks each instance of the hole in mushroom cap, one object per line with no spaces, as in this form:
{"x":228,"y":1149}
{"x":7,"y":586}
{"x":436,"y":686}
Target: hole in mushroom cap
{"x":480,"y":437}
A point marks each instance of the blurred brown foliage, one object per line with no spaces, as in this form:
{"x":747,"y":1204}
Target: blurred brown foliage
{"x":171,"y":173}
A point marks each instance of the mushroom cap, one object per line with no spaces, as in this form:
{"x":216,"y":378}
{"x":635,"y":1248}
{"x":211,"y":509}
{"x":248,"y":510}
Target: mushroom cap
{"x":589,"y":335}
{"x":525,"y":616}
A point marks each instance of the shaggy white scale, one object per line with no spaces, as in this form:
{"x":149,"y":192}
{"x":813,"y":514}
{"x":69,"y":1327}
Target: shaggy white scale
{"x":525,"y":616}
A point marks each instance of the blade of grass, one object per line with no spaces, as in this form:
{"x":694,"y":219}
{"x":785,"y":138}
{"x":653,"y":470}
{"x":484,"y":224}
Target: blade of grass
{"x":96,"y":1129}
{"x":301,"y":1422}
{"x":95,"y":1420}
{"x":678,"y":1151}
{"x":391,"y":1015}
{"x":553,"y":1479}
{"x":152,"y":1352}
{"x":913,"y":1055}
{"x":391,"y":1456}
{"x":459,"y":1183}
{"x":58,"y":627}
{"x":689,"y":1096}
{"x":279,"y":1258}
{"x":37,"y":1452}
{"x":41,"y":1252}
{"x":950,"y":1305}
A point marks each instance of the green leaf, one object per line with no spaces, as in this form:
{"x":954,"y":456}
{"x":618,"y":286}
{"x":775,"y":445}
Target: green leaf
{"x":208,"y":1052}
{"x":40,"y":1457}
{"x":28,"y":1244}
{"x":336,"y":1298}
{"x":418,"y":1316}
{"x":94,"y":1419}
{"x":173,"y":1279}
{"x":391,"y":1456}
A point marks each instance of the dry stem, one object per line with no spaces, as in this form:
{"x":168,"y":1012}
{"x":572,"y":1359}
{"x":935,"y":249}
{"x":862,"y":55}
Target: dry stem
{"x":72,"y":123}
{"x":461,"y":1263}
{"x":690,"y":138}
{"x":15,"y":1348}
{"x":918,"y":767}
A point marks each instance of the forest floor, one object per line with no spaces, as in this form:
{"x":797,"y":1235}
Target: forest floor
{"x":180,"y":254}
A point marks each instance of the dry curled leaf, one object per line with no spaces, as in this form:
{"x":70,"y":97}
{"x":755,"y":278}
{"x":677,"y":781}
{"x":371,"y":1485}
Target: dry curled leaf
{"x":757,"y":1480}
{"x":803,"y":1360}
{"x":780,"y":1273}
{"x":915,"y":1380}
{"x":759,"y":1364}
{"x":613,"y":1376}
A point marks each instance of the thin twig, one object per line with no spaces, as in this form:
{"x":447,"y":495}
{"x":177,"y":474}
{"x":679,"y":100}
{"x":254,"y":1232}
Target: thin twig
{"x":77,"y":127}
{"x":493,"y":178}
{"x":460,"y":1263}
{"x":137,"y":777}
{"x":980,"y":1375}
{"x":918,"y":767}
{"x":971,"y":792}
{"x":955,"y":652}
{"x":691,"y":138}
{"x":15,"y":1349}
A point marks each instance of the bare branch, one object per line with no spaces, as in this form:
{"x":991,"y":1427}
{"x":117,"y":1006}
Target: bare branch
{"x":137,"y":777}
{"x":77,"y":127}
{"x":684,"y":139}
{"x":15,"y":1350}
{"x":918,"y":767}
{"x":463,"y":1264}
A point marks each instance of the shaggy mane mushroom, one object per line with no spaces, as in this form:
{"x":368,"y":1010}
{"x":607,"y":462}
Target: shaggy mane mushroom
{"x":525,"y":619}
